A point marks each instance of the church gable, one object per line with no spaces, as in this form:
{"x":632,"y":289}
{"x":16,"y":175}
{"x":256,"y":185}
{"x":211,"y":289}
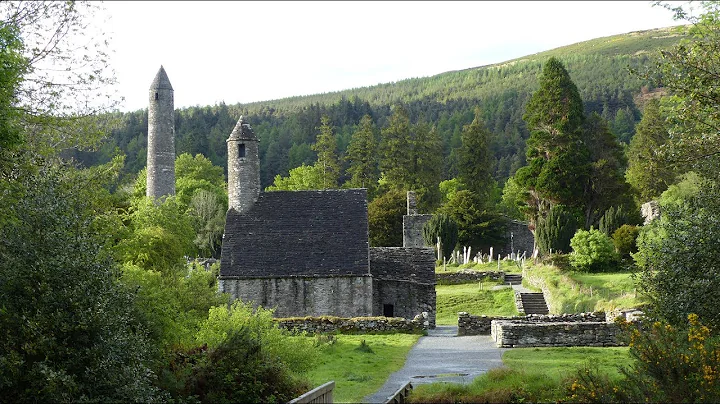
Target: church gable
{"x":298,"y":233}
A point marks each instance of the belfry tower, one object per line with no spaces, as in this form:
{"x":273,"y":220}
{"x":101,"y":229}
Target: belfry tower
{"x":161,"y":138}
{"x":243,"y":167}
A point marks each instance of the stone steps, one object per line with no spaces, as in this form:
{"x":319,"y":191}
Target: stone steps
{"x":534,"y":303}
{"x":513,"y":279}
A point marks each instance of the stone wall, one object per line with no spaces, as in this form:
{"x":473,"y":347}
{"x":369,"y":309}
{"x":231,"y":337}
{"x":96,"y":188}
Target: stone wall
{"x":357,"y":325}
{"x":412,"y":230}
{"x":297,"y":296}
{"x":467,"y":276}
{"x":403,"y":282}
{"x":482,"y":325}
{"x":520,"y":334}
{"x":522,"y":240}
{"x":407,"y":299}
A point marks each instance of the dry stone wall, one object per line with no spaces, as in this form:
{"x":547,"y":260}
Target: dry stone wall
{"x":358,"y":325}
{"x":521,"y":334}
{"x":482,"y":325}
{"x":466,"y":276}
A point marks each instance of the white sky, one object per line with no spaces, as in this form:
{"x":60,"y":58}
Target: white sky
{"x":255,"y":51}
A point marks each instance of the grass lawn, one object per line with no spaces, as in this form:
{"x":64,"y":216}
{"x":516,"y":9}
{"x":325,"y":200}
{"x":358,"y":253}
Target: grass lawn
{"x":451,"y":299}
{"x":358,"y":373}
{"x":529,"y":374}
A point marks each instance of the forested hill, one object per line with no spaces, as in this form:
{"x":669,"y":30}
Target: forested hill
{"x":287,"y":127}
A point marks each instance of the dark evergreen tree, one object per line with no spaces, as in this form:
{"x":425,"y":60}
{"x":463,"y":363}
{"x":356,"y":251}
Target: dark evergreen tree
{"x":606,"y":186}
{"x":554,"y":232}
{"x":362,"y":157}
{"x":385,"y":216}
{"x":426,"y":165}
{"x":395,"y":149}
{"x":474,"y":162}
{"x":558,"y":161}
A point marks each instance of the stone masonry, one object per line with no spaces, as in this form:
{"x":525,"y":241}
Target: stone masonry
{"x":413,"y":224}
{"x":161,"y":138}
{"x":520,"y":334}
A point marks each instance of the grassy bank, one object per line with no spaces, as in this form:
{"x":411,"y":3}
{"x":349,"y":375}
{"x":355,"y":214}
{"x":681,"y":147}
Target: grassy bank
{"x":577,"y":292}
{"x":359,"y":370}
{"x":474,"y":299}
{"x":529,"y":374}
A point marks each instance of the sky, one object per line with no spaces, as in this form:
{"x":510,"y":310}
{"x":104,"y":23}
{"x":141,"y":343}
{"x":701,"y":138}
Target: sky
{"x":241,"y":52}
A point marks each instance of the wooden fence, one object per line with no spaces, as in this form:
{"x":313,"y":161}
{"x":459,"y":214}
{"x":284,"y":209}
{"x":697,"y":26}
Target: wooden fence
{"x":400,"y":395}
{"x":318,"y":395}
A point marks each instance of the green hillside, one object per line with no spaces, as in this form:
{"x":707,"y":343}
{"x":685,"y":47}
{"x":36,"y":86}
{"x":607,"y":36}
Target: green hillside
{"x":287,"y":127}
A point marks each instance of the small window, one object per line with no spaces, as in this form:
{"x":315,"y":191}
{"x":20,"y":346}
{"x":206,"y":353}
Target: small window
{"x":388,"y":310}
{"x":241,"y":150}
{"x":156,"y":96}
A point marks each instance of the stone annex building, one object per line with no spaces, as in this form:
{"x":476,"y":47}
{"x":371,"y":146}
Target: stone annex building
{"x":304,"y":253}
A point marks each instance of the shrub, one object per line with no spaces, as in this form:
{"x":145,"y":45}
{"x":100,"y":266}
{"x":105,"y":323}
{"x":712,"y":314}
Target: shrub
{"x":670,"y":364}
{"x":624,"y":239}
{"x":239,"y":369}
{"x":555,"y":231}
{"x":593,"y":251}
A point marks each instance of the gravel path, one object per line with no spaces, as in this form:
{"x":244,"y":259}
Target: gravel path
{"x":441,"y":356}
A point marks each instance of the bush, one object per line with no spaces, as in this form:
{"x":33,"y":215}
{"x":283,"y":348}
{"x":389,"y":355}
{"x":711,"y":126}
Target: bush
{"x":239,"y":370}
{"x":670,"y":365}
{"x":555,"y":231}
{"x":593,"y":251}
{"x":624,"y":239}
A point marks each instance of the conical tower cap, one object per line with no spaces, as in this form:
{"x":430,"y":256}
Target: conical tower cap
{"x":161,"y":81}
{"x":242,"y":131}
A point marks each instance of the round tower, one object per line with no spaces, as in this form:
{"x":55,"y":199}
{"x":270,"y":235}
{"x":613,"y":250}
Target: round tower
{"x":243,"y":167}
{"x":161,"y":138}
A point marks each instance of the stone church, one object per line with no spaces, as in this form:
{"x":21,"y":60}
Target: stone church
{"x":306,"y":253}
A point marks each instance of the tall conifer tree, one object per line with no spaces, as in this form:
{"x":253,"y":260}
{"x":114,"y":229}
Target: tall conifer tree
{"x":396,"y":146}
{"x":475,"y":165}
{"x":362,"y":156}
{"x":558,"y":162}
{"x":327,"y":161}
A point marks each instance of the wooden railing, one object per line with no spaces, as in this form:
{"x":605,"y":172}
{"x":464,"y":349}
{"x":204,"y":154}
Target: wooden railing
{"x":318,"y":395}
{"x":400,"y":395}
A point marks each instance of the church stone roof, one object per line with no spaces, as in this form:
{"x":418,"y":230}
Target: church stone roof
{"x":298,"y":233}
{"x":161,"y":81}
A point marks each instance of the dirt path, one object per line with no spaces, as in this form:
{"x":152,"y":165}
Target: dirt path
{"x":441,"y":356}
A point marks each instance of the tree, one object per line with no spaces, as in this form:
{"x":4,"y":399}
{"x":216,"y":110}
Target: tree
{"x":479,"y":227}
{"x":606,"y":186}
{"x":648,"y":170}
{"x":69,"y":330}
{"x":385,"y":218}
{"x":679,"y":257}
{"x":395,"y":146}
{"x":63,"y":85}
{"x":689,"y":71}
{"x":325,"y":146}
{"x":300,"y":178}
{"x":362,"y":157}
{"x":475,"y":164}
{"x":558,"y":162}
{"x":11,"y":76}
{"x":443,"y":229}
{"x":426,"y":165}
